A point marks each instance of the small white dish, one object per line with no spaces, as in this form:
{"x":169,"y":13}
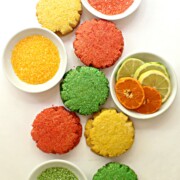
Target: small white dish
{"x":57,"y":163}
{"x":98,"y":14}
{"x":7,"y":66}
{"x":146,"y":57}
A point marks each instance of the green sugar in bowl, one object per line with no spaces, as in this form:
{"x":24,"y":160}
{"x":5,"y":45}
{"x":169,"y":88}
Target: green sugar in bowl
{"x":57,"y":170}
{"x":57,"y":173}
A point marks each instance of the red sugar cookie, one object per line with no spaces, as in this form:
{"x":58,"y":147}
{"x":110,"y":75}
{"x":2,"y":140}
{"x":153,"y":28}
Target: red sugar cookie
{"x":56,"y":130}
{"x":98,"y":43}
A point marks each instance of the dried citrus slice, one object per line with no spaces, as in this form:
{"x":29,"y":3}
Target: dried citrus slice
{"x":129,"y":92}
{"x":150,"y":66}
{"x":157,"y":80}
{"x":152,"y":101}
{"x":128,"y":68}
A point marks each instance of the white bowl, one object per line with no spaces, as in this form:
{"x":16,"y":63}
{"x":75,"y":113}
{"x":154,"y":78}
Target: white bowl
{"x":126,"y":13}
{"x":9,"y":72}
{"x":56,"y":163}
{"x":147,"y":57}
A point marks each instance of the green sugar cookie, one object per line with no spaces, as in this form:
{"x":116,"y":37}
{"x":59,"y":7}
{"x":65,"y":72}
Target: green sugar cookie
{"x":115,"y":171}
{"x":84,"y":89}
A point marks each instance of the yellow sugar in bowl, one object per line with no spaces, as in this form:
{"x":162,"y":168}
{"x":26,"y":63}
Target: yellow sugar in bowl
{"x":35,"y":60}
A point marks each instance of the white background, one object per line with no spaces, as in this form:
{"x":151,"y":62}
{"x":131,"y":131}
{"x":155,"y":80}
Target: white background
{"x":155,"y":154}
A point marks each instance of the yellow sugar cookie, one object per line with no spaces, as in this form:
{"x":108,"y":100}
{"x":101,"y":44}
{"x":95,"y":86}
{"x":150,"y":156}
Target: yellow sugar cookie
{"x":59,"y":15}
{"x":109,"y":133}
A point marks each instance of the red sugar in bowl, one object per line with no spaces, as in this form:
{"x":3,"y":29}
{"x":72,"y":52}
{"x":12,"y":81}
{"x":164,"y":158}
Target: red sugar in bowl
{"x":111,"y":10}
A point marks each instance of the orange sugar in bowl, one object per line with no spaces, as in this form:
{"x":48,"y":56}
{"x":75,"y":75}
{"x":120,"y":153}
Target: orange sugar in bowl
{"x":34,"y":60}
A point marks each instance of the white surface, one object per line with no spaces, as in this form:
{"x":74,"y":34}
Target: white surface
{"x":57,"y":163}
{"x":8,"y":70}
{"x":146,"y":57}
{"x":154,"y":27}
{"x":126,"y":13}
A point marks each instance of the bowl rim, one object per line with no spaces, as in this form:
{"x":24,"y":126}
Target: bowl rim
{"x":60,"y":161}
{"x":122,"y":15}
{"x":169,"y":101}
{"x":30,"y":88}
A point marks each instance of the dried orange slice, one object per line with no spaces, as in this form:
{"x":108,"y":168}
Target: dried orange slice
{"x":129,"y":92}
{"x":152,"y":101}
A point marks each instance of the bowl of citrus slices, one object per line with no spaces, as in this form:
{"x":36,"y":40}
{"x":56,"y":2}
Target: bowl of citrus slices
{"x":143,"y":85}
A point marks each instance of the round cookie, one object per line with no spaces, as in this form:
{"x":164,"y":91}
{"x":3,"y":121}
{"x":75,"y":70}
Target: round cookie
{"x":56,"y":130}
{"x":115,"y":171}
{"x":84,"y":89}
{"x":59,"y":15}
{"x":98,"y":43}
{"x":109,"y":133}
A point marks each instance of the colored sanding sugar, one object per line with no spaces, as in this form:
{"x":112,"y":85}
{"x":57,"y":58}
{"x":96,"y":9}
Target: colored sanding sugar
{"x":57,"y":173}
{"x":84,"y":89}
{"x":111,"y":7}
{"x":35,"y":59}
{"x":115,"y":171}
